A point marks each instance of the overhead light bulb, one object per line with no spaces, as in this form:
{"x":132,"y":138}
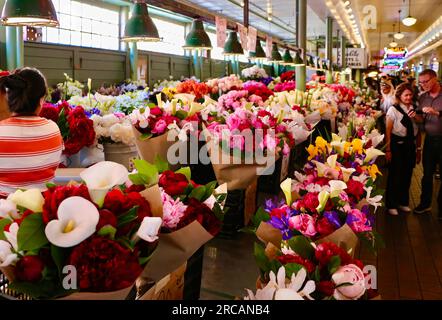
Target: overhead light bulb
{"x":409,"y":21}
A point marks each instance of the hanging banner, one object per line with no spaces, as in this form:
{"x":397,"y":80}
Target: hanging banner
{"x":356,"y":58}
{"x":243,"y":35}
{"x":269,"y":46}
{"x":221,"y":28}
{"x":252,"y":39}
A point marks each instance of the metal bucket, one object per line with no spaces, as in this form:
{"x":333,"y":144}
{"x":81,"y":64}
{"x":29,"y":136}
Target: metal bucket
{"x":120,"y":153}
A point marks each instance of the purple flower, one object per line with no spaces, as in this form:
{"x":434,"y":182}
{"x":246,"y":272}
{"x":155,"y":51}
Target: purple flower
{"x":91,"y":112}
{"x":273,"y":203}
{"x":333,"y":218}
{"x":282,"y":223}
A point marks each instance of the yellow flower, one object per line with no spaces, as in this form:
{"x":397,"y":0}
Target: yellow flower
{"x":357,"y":145}
{"x":312,"y":151}
{"x":373,"y":170}
{"x":321,"y":144}
{"x":347,"y":147}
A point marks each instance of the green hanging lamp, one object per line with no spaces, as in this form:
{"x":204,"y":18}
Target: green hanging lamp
{"x":233,"y":47}
{"x":140,"y":27}
{"x":197,"y":38}
{"x":29,"y":13}
{"x":287,"y":59}
{"x":259,"y":54}
{"x":298,"y":60}
{"x":276,"y":56}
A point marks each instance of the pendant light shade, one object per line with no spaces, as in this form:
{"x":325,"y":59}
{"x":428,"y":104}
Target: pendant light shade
{"x":259,"y":54}
{"x":140,"y":26}
{"x":393,"y":44}
{"x":409,"y":21}
{"x":233,"y":47}
{"x":298,"y":59}
{"x":399,"y":35}
{"x":287,"y":58}
{"x":29,"y":13}
{"x":197,"y":38}
{"x":276,"y":56}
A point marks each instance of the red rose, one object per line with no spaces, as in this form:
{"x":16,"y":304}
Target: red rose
{"x":322,"y":181}
{"x":355,"y":188}
{"x":50,"y":112}
{"x":156,"y":111}
{"x":174,"y":184}
{"x":106,"y":218}
{"x":310,"y":202}
{"x":104,"y":265}
{"x":289,"y":258}
{"x":326,"y":287}
{"x":76,"y":114}
{"x":197,"y":211}
{"x":325,"y":251}
{"x":135,"y":199}
{"x":29,"y":269}
{"x":135,"y":188}
{"x":115,"y":202}
{"x":324,"y":227}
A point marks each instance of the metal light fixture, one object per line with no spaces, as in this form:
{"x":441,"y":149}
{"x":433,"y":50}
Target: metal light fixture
{"x":409,"y":21}
{"x":140,"y":26}
{"x":197,"y":38}
{"x":298,"y":59}
{"x":276,"y":56}
{"x":259,"y":54}
{"x":287,"y":58}
{"x":233,"y":47}
{"x":393,"y":43}
{"x":29,"y":13}
{"x":399,"y":35}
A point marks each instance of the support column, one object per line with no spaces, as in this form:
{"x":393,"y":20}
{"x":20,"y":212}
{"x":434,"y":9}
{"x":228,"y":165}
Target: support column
{"x":197,"y":65}
{"x":133,"y":58}
{"x":344,"y":74}
{"x":11,"y":48}
{"x":329,"y":49}
{"x":358,"y":77}
{"x":301,"y":20}
{"x":20,"y":57}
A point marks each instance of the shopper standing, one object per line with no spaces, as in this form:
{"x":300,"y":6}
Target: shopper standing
{"x":430,"y":113}
{"x":402,"y":136}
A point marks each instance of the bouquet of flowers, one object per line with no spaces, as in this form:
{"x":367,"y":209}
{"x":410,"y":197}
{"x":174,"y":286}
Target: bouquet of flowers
{"x":285,"y":86}
{"x":234,"y":100}
{"x":288,"y":76}
{"x":223,"y":85}
{"x":67,"y":89}
{"x":113,"y":128}
{"x":198,"y":89}
{"x":75,"y":127}
{"x":254,"y":73}
{"x":258,"y":89}
{"x":87,"y":241}
{"x":106,"y":104}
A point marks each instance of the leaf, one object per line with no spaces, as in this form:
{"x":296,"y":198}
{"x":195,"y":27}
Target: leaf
{"x":148,"y":171}
{"x":143,"y":260}
{"x":334,"y":264}
{"x":127,"y":217}
{"x":3,"y":223}
{"x":107,"y":231}
{"x":31,"y":234}
{"x":317,"y":275}
{"x":181,"y":114}
{"x":50,"y":185}
{"x":292,"y":268}
{"x":198,"y":193}
{"x":301,"y":245}
{"x":127,"y":243}
{"x":145,"y":136}
{"x":261,"y":259}
{"x":260,"y":216}
{"x":210,"y":187}
{"x":161,"y":164}
{"x":186,"y":171}
{"x":137,"y":179}
{"x":60,"y":256}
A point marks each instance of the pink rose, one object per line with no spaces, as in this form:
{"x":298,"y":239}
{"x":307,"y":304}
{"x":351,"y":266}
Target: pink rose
{"x":352,"y":280}
{"x":304,"y":223}
{"x":358,"y":221}
{"x":160,"y":127}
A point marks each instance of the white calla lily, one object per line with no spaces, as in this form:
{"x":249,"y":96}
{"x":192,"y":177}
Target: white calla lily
{"x":320,"y":167}
{"x":331,"y":161}
{"x":149,"y":228}
{"x":31,"y":199}
{"x":8,"y":209}
{"x":338,"y":146}
{"x":372,"y":154}
{"x":323,"y":197}
{"x":77,"y":221}
{"x":102,"y":177}
{"x":336,"y":138}
{"x":336,"y":187}
{"x":7,"y":257}
{"x":195,"y":107}
{"x":286,"y":187}
{"x":186,"y":98}
{"x":347,"y":172}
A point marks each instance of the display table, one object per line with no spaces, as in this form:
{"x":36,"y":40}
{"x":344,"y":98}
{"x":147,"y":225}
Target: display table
{"x":66,"y":175}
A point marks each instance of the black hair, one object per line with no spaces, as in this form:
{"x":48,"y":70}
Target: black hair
{"x":24,"y":88}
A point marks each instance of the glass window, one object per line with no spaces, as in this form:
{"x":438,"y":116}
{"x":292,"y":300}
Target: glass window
{"x":217,"y":53}
{"x":84,"y":25}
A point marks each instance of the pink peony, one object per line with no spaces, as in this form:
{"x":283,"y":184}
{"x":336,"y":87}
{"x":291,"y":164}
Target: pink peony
{"x":304,"y":223}
{"x":352,"y":280}
{"x":160,"y":127}
{"x":358,"y":221}
{"x":173,"y":210}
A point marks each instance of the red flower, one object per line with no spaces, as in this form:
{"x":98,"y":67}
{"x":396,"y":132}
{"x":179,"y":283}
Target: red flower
{"x":55,"y":195}
{"x":29,"y":269}
{"x":135,"y":188}
{"x":324,"y":227}
{"x":355,"y":188}
{"x":104,"y":265}
{"x":174,"y":184}
{"x":197,"y":211}
{"x":4,"y":73}
{"x":309,"y":202}
{"x":287,"y":76}
{"x":322,"y":181}
{"x":326,"y":287}
{"x":115,"y":202}
{"x":156,"y":111}
{"x":325,"y":251}
{"x":106,"y":218}
{"x":289,"y":258}
{"x":50,"y":112}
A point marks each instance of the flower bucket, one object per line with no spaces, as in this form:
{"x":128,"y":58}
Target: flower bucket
{"x":73,"y":161}
{"x":120,"y":153}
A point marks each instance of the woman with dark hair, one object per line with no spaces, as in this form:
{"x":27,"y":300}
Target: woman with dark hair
{"x":30,"y":146}
{"x":402,"y":136}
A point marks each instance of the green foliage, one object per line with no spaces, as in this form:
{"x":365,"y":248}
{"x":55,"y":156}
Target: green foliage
{"x":186,"y":171}
{"x":3,"y":223}
{"x":107,"y":231}
{"x":334,"y":264}
{"x":31,"y":234}
{"x":301,"y":245}
{"x":127,"y":217}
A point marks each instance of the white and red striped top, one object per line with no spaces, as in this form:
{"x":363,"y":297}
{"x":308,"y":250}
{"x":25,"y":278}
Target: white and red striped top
{"x":30,"y":151}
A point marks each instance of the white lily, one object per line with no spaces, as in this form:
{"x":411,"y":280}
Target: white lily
{"x":286,"y":187}
{"x":361,"y":178}
{"x":102,"y":177}
{"x":336,"y":138}
{"x":195,"y":107}
{"x":149,"y":228}
{"x":375,"y":201}
{"x":77,"y":221}
{"x":8,"y":209}
{"x":331,"y":161}
{"x":7,"y":257}
{"x":346,"y":173}
{"x":336,"y":187}
{"x":372,"y":153}
{"x":31,"y":199}
{"x":343,"y":132}
{"x":11,"y":235}
{"x":159,"y":100}
{"x":375,"y":137}
{"x":323,"y":197}
{"x":339,"y":147}
{"x":320,"y":167}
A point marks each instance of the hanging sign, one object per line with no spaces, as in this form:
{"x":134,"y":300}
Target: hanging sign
{"x":243,"y":35}
{"x":356,"y":58}
{"x":269,"y":46}
{"x":221,"y":28}
{"x":252,"y":39}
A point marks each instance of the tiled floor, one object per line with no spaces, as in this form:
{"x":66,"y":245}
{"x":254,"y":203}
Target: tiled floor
{"x":410,"y":267}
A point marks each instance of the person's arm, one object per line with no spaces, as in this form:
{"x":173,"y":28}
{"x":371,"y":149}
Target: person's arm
{"x":389,"y":129}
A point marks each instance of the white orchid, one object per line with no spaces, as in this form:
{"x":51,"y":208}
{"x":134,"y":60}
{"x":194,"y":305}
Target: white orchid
{"x":7,"y":256}
{"x":8,"y":209}
{"x":77,"y":221}
{"x":149,"y":228}
{"x":31,"y":199}
{"x":279,"y":288}
{"x":102,"y":177}
{"x":375,"y":201}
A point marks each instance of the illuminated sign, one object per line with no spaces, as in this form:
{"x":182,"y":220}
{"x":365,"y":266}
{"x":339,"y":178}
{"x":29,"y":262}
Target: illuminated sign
{"x":394,"y":58}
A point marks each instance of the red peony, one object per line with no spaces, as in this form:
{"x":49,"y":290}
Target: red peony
{"x":135,"y":188}
{"x":287,"y":76}
{"x":289,"y":258}
{"x":197,"y":211}
{"x":326,"y":287}
{"x":106,"y":218}
{"x":104,"y":265}
{"x":355,"y":188}
{"x":29,"y":269}
{"x":115,"y":202}
{"x":174,"y":184}
{"x":50,"y":112}
{"x":325,"y":251}
{"x":324,"y":227}
{"x":309,"y":202}
{"x":55,"y":195}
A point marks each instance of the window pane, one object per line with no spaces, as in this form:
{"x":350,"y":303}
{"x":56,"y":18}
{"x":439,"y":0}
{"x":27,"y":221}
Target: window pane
{"x":86,"y":25}
{"x":76,"y":8}
{"x":52,"y":35}
{"x":65,"y":37}
{"x":76,"y":23}
{"x":86,"y":40}
{"x":65,"y":6}
{"x":76,"y":38}
{"x":65,"y":21}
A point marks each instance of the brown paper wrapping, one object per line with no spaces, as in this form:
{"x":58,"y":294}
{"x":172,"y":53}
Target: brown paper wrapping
{"x":174,"y":249}
{"x":153,"y":196}
{"x":250,"y":202}
{"x":8,"y":272}
{"x":171,"y":287}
